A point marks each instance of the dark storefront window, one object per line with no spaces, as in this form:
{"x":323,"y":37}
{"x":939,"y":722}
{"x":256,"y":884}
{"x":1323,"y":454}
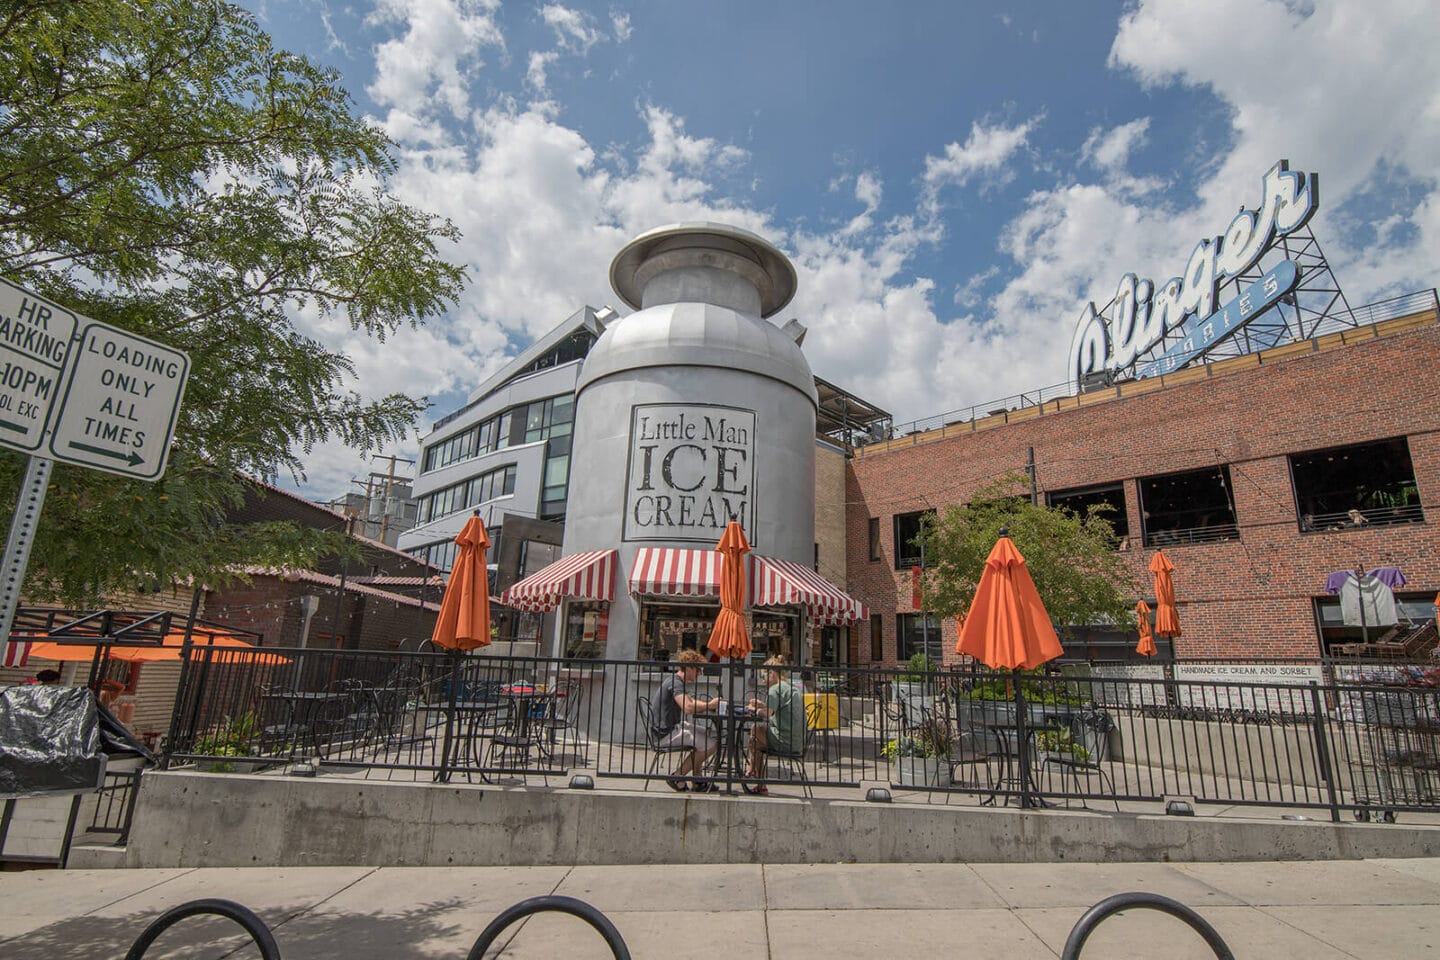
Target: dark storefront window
{"x":587,"y":628}
{"x":1084,"y":643}
{"x":1107,"y":501}
{"x":877,"y":637}
{"x":908,"y":527}
{"x":917,"y":633}
{"x":1360,"y":485}
{"x":1190,"y":507}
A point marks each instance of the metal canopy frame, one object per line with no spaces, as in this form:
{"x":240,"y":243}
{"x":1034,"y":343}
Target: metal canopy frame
{"x":128,"y":627}
{"x":847,"y":420}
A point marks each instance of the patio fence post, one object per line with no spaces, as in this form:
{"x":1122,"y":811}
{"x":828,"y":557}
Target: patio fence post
{"x":185,"y":678}
{"x":1322,"y":750}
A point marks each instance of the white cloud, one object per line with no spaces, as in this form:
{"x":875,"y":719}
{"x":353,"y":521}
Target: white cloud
{"x":575,"y":30}
{"x":620,"y":26}
{"x":535,"y":73}
{"x":437,"y":55}
{"x":868,"y":190}
{"x":1109,"y":151}
{"x":985,"y":155}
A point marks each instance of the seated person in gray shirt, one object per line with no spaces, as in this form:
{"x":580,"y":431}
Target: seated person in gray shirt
{"x":671,"y":710}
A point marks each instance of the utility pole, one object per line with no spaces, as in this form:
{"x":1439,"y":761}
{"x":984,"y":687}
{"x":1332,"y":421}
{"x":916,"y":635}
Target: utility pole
{"x":1030,"y":469}
{"x":389,"y":492}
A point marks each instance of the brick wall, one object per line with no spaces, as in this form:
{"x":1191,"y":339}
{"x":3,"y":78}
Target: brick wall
{"x":1248,"y":596}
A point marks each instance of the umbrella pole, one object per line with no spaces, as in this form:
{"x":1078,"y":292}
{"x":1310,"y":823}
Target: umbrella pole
{"x":730,"y":734}
{"x":443,"y":774}
{"x":1022,"y":750}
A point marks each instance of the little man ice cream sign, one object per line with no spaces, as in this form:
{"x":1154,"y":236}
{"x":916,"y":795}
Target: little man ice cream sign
{"x":691,"y":468}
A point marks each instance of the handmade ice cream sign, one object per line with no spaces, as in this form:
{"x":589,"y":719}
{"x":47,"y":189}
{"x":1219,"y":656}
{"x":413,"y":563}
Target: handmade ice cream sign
{"x":691,"y":468}
{"x":1182,"y":311}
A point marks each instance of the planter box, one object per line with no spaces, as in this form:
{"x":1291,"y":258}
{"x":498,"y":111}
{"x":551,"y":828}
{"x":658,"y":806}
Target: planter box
{"x":237,"y":765}
{"x":922,"y":772}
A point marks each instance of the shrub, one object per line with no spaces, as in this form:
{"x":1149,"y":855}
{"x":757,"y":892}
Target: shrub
{"x":917,"y":668}
{"x":1061,"y":740}
{"x":233,"y":738}
{"x":930,"y":739}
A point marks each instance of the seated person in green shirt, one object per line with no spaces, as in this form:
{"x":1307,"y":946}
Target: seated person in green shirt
{"x":783,"y":731}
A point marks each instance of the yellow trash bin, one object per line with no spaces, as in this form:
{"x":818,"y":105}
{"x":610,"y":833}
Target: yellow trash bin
{"x":828,"y":716}
{"x":823,"y":718}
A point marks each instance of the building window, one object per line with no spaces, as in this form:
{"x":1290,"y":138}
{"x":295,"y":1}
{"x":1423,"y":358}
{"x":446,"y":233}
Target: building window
{"x":1107,"y":501}
{"x":1191,"y":507}
{"x":467,"y":493}
{"x":917,"y":633}
{"x":877,"y":634}
{"x":1416,"y":623}
{"x":536,"y":556}
{"x":908,"y":527}
{"x":1100,"y":643}
{"x":1364,"y":484}
{"x":874,"y":538}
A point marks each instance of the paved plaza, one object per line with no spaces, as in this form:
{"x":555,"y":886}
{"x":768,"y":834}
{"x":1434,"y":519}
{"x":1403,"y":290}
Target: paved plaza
{"x":1369,"y":909}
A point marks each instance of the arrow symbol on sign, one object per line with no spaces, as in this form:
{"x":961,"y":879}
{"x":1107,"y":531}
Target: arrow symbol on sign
{"x":131,"y":458}
{"x":13,"y":426}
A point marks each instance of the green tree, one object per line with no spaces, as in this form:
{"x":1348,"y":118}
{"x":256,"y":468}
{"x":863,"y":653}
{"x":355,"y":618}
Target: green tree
{"x":165,"y":169}
{"x":1080,"y":576}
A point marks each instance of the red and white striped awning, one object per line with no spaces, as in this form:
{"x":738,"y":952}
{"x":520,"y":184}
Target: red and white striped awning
{"x":778,"y":583}
{"x":581,"y":576}
{"x":675,"y":572}
{"x":679,"y":572}
{"x":17,"y":653}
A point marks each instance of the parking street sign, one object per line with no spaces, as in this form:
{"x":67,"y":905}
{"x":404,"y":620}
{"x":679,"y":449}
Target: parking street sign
{"x":120,"y":403}
{"x":35,"y":337}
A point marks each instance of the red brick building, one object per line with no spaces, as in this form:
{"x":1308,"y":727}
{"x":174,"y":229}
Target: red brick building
{"x":1246,"y":463}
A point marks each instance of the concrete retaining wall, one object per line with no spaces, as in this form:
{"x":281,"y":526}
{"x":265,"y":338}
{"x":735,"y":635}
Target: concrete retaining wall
{"x":194,"y":820}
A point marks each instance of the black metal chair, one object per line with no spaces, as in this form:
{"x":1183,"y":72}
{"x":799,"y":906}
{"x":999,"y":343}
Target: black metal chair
{"x":965,"y":750}
{"x":658,"y":749}
{"x":794,"y":763}
{"x":1073,"y":765}
{"x":562,"y":719}
{"x":512,"y":746}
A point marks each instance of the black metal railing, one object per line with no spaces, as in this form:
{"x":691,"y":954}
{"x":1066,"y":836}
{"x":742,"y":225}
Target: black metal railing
{"x":115,"y":804}
{"x":1334,"y":737}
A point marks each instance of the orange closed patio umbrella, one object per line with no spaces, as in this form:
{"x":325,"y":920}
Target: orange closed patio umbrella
{"x":1167,"y":618}
{"x":1146,"y":646}
{"x":464,"y":619}
{"x":728,"y":638}
{"x":1007,"y":628}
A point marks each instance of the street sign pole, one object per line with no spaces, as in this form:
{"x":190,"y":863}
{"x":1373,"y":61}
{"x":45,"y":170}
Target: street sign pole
{"x":22,"y":535}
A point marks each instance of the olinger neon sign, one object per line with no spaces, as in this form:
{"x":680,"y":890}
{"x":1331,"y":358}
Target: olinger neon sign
{"x":1142,"y":314}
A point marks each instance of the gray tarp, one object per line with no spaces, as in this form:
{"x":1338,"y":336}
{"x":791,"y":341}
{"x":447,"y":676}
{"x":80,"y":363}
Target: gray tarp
{"x":49,"y":741}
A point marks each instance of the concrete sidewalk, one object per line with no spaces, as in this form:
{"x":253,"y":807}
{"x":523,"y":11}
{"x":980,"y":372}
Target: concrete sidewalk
{"x":1317,"y":910}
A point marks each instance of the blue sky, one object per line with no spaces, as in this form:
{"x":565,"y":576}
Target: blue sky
{"x":954,"y":181}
